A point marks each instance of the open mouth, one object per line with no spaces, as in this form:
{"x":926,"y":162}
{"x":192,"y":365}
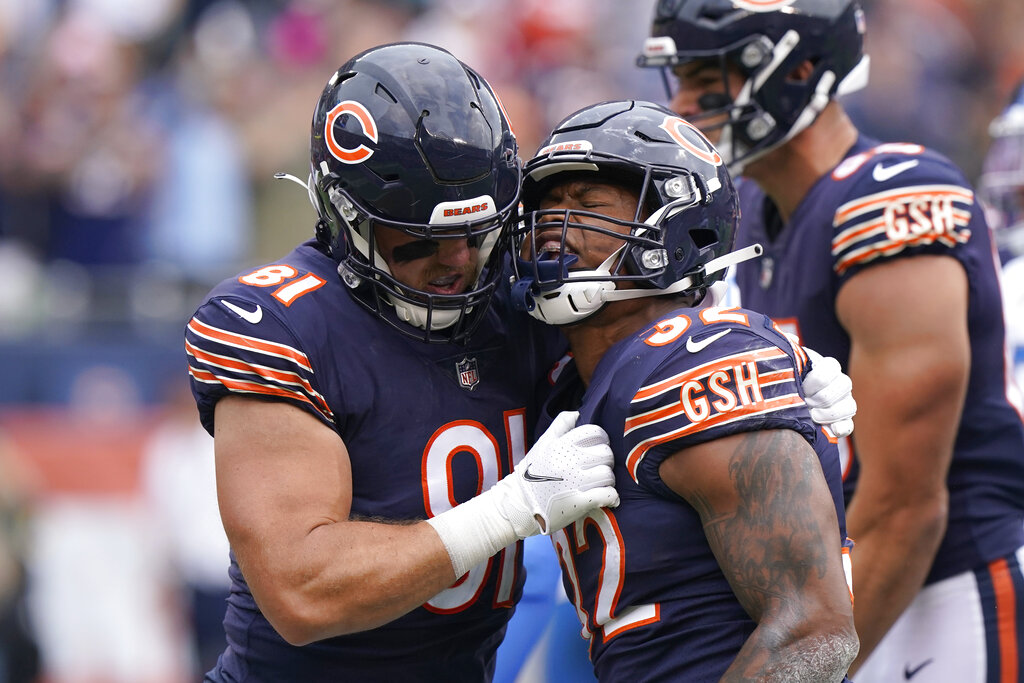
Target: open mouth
{"x":549,"y":246}
{"x":452,"y":283}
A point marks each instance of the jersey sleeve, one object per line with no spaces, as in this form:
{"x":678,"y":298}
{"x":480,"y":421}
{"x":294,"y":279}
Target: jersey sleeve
{"x":228,"y":355}
{"x":744,"y":381}
{"x":902,"y":201}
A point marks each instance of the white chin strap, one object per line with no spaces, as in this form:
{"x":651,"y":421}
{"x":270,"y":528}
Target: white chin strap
{"x":416,"y":315}
{"x":576,"y":301}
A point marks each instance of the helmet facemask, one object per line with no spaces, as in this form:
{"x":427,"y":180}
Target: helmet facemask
{"x":363,"y":268}
{"x":558,"y":293}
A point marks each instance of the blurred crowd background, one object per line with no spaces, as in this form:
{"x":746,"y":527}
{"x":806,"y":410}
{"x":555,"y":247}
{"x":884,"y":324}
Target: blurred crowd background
{"x":138,"y":143}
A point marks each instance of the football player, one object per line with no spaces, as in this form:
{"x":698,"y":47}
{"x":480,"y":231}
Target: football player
{"x":336,"y":426}
{"x":726,"y":557}
{"x":879,"y":255}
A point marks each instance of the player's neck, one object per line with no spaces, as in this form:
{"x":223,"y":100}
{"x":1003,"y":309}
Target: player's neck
{"x":787,"y":174}
{"x":591,"y":339}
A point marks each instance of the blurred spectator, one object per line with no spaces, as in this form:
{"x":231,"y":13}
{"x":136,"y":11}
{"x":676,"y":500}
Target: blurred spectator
{"x":179,"y":483}
{"x":96,"y":594}
{"x":86,"y":154}
{"x":19,"y":650}
{"x":199,"y":217}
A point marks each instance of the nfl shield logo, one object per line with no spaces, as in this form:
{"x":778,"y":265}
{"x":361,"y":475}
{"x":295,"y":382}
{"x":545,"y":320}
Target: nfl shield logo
{"x":469,"y":375}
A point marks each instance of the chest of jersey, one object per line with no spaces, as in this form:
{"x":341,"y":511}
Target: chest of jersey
{"x":791,"y":282}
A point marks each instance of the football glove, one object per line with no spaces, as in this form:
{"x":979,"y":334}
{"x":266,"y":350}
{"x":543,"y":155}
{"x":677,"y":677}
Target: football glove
{"x":827,"y":393}
{"x":566,"y":474}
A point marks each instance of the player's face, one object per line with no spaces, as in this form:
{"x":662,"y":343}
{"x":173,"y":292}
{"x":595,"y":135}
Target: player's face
{"x":700,"y":87}
{"x":441,"y":266}
{"x":596,"y":196}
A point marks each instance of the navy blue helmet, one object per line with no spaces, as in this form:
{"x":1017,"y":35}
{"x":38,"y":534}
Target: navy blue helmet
{"x":408,"y":137}
{"x":766,"y":40}
{"x":680,"y":239}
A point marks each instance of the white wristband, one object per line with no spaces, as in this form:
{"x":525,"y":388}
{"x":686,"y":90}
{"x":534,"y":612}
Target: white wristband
{"x":473,"y":531}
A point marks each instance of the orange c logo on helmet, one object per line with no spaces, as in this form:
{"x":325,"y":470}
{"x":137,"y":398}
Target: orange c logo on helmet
{"x":673,"y":124}
{"x":346,"y":155}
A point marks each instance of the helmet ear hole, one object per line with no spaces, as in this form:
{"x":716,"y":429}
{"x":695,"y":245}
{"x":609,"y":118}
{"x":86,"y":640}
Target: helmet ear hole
{"x":703,"y":237}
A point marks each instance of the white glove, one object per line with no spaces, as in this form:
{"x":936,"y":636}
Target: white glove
{"x":566,"y":474}
{"x":827,"y":394}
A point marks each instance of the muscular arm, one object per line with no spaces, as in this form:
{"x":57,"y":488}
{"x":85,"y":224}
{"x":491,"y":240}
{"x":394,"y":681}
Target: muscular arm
{"x":285,"y":490}
{"x":909,"y":362}
{"x":770,"y":520}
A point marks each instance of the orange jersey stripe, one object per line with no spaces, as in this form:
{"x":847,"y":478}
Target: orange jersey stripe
{"x":861,"y":231}
{"x":667,"y":412}
{"x":241,"y":340}
{"x":1006,"y":619}
{"x":244,"y":387}
{"x":858,"y":231}
{"x":776,"y":377}
{"x":768,"y":406}
{"x":890,"y":247}
{"x":269,"y":374}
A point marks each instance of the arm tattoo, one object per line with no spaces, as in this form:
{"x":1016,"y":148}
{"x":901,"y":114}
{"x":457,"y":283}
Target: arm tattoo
{"x":770,"y":541}
{"x":762,"y":545}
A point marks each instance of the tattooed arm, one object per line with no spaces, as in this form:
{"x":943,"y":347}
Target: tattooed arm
{"x":770,"y":520}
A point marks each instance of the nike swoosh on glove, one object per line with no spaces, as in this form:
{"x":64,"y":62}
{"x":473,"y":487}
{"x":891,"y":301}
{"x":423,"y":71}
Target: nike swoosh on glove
{"x":827,"y":392}
{"x":566,"y":474}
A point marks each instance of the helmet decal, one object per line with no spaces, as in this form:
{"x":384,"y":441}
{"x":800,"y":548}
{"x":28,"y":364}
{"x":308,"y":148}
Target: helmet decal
{"x":568,"y":146}
{"x":762,"y":5}
{"x":460,"y":211}
{"x":671,"y":125}
{"x":356,"y":155}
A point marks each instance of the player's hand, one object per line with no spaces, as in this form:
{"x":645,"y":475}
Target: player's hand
{"x":566,"y":474}
{"x":827,"y":392}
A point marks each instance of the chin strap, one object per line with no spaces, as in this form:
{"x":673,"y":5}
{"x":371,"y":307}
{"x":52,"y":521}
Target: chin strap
{"x":575,"y":301}
{"x":307,"y":186}
{"x":733,"y":258}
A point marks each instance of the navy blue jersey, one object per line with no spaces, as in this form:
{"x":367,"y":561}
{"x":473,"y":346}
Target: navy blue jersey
{"x":887,"y":201}
{"x":647,"y":587}
{"x":424,"y":425}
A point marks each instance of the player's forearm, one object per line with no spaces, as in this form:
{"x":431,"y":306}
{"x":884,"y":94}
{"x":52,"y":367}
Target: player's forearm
{"x":891,"y":560}
{"x":348,"y":577}
{"x":771,"y":655}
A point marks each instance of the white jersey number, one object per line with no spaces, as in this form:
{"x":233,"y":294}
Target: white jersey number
{"x":468,"y":436}
{"x":613,"y":574}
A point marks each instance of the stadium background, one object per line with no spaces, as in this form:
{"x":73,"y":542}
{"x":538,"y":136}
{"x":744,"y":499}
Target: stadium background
{"x":138,"y":143}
